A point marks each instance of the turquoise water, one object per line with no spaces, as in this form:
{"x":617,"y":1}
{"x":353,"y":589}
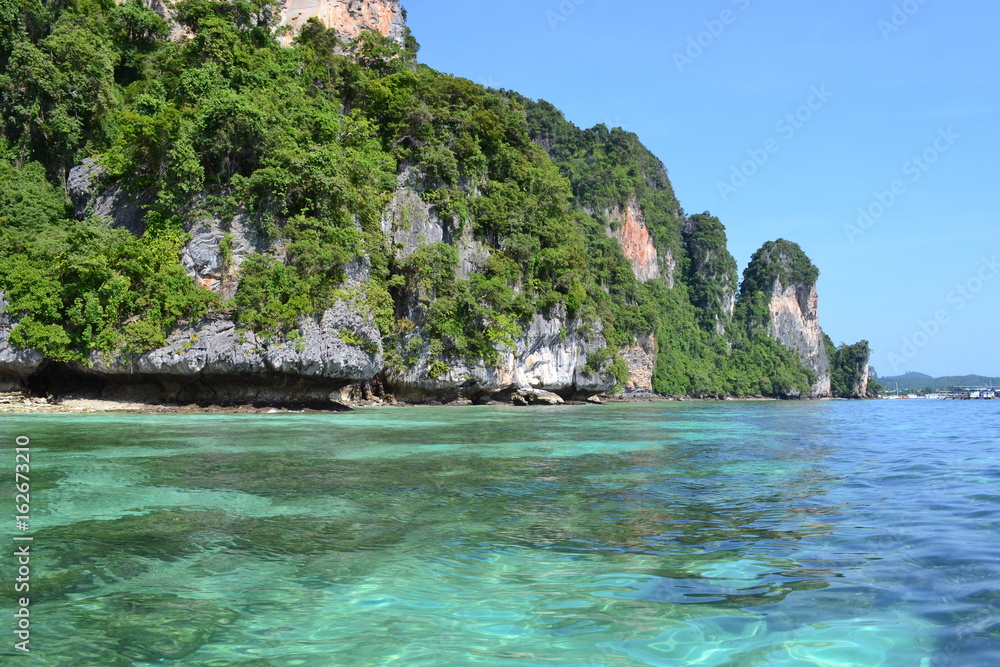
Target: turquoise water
{"x":819,"y":533}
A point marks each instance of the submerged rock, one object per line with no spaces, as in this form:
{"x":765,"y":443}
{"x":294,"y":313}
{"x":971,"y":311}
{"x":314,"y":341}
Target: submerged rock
{"x":152,"y":627}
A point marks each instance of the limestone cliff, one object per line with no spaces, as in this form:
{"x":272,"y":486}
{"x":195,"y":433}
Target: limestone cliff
{"x":641,"y":361}
{"x":781,"y":280}
{"x":795,"y":324}
{"x":348,"y":17}
{"x":339,"y":351}
{"x":850,"y":369}
{"x":549,"y":358}
{"x":547,"y":365}
{"x":628,"y":227}
{"x":16,"y":364}
{"x":213,"y":360}
{"x":711,"y":272}
{"x":215,"y":249}
{"x":860,"y":388}
{"x":367,"y":226}
{"x":411,"y":223}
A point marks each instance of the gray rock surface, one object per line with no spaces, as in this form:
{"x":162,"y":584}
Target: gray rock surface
{"x":795,"y":324}
{"x":412,"y":223}
{"x":203,"y":258}
{"x":16,"y":364}
{"x":548,"y":357}
{"x":213,"y":359}
{"x":123,"y":209}
{"x":83,"y":183}
{"x":641,"y":361}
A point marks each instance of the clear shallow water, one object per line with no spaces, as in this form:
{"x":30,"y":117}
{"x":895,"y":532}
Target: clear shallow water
{"x":828,"y":533}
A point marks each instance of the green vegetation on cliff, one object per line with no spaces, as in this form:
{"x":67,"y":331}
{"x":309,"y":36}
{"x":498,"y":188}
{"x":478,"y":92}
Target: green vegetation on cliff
{"x":848,"y":370}
{"x":782,"y":261}
{"x":82,"y":286}
{"x":309,"y":144}
{"x":699,"y":351}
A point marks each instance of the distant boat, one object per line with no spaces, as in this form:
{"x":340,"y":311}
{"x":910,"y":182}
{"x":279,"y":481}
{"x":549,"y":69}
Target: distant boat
{"x":895,"y":396}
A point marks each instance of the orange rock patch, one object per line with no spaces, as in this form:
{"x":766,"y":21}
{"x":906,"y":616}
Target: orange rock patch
{"x":637,"y":244}
{"x":349,"y":17}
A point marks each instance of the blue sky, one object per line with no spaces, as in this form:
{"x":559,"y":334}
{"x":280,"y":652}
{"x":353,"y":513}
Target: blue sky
{"x":790,"y":120}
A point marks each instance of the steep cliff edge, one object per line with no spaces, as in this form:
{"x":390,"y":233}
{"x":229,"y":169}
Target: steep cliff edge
{"x":712,"y":274}
{"x":16,"y":364}
{"x":628,"y":227}
{"x":348,"y":17}
{"x":215,"y":361}
{"x":780,"y":298}
{"x":850,"y":370}
{"x":795,"y":324}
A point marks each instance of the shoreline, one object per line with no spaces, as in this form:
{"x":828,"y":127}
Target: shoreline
{"x":24,"y":403}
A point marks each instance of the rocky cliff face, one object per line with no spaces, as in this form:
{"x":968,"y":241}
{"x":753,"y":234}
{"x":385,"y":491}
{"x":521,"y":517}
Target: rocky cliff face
{"x":348,"y":17}
{"x":338,"y":353}
{"x":712,"y":272}
{"x":795,"y":324}
{"x":849,"y":369}
{"x":15,"y":364}
{"x":411,"y":223}
{"x":641,"y":361}
{"x":630,"y":230}
{"x":861,"y":386}
{"x":509,"y":238}
{"x":341,"y":349}
{"x":216,"y":248}
{"x":548,"y":359}
{"x":215,"y":361}
{"x":546,"y":366}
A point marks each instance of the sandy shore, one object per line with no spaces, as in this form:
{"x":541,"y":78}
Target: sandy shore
{"x":23,"y":403}
{"x":19,"y":403}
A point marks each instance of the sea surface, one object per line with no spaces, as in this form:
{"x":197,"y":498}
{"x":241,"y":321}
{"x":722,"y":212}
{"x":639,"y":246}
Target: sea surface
{"x":800,"y":533}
